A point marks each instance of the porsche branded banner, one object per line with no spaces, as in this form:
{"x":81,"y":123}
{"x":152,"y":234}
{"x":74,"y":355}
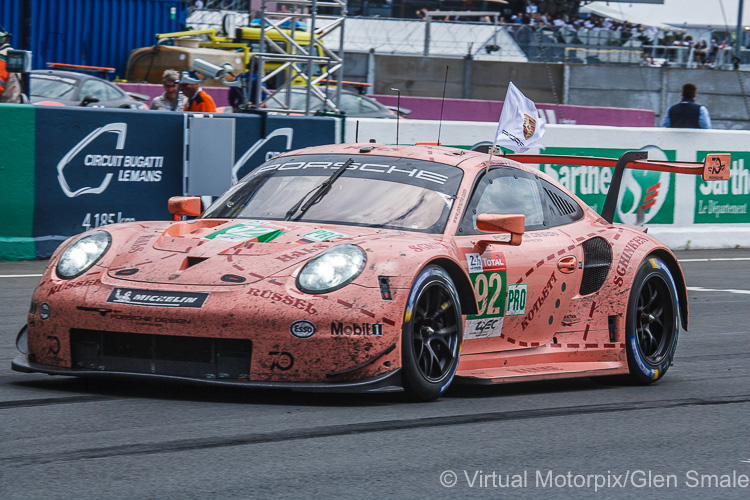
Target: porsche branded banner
{"x":648,"y":192}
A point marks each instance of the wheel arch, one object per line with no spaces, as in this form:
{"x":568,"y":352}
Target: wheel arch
{"x":463,"y":285}
{"x":679,"y":280}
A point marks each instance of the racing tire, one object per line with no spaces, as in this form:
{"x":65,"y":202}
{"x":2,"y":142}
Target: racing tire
{"x":431,"y":336}
{"x":652,"y":323}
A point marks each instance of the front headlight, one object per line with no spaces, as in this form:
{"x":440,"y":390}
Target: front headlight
{"x":331,"y":270}
{"x":84,"y":253}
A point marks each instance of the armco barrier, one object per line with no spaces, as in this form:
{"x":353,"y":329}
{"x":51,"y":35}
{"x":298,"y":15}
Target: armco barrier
{"x":66,"y":170}
{"x":686,"y":211}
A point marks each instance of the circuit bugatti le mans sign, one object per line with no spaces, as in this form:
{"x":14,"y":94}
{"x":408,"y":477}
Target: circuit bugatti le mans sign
{"x":131,"y":168}
{"x":97,"y":167}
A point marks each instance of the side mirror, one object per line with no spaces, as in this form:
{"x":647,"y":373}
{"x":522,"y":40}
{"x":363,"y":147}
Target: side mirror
{"x":501,"y":223}
{"x":89,"y":99}
{"x":184,"y":205}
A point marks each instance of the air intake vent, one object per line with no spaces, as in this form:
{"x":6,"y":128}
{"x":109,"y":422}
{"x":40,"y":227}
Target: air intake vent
{"x":562,"y":205}
{"x":597,"y":258}
{"x":191,"y":261}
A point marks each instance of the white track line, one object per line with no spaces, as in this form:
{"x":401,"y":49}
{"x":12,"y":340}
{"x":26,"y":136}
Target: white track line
{"x":714,"y":260}
{"x":20,"y":275}
{"x":727,"y":290}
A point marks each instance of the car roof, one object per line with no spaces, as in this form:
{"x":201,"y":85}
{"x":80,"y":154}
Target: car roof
{"x":469,"y":161}
{"x":66,"y":74}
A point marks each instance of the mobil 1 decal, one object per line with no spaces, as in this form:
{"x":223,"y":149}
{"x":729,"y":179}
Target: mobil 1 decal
{"x":488,"y":277}
{"x":650,"y":192}
{"x":724,"y":201}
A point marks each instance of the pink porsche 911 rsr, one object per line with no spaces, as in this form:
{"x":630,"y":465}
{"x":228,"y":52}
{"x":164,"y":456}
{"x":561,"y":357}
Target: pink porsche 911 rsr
{"x":368,"y":267}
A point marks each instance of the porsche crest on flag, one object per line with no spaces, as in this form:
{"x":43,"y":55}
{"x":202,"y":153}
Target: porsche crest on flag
{"x":520,"y":127}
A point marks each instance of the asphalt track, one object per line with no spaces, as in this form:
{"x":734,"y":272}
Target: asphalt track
{"x":687,"y":436}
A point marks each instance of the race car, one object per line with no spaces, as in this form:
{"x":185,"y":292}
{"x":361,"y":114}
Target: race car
{"x":369,"y":267}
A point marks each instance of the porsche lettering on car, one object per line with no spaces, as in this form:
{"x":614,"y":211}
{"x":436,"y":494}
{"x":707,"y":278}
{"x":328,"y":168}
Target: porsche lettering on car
{"x":368,"y":267}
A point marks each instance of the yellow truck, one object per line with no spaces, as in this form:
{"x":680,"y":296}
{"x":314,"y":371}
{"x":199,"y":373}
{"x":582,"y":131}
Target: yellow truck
{"x":146,"y":64}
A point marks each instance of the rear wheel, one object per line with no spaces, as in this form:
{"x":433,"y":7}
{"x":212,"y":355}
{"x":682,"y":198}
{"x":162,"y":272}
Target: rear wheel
{"x":432,"y":334}
{"x":652,"y":324}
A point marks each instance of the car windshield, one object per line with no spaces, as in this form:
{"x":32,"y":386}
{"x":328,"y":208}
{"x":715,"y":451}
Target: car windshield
{"x":51,"y":86}
{"x":375,"y":191}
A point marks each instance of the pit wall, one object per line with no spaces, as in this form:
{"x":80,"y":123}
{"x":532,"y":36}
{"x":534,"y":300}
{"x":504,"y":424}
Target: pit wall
{"x":64,"y":170}
{"x":682,"y":210}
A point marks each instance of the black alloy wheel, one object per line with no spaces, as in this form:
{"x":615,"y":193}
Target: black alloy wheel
{"x":432,"y":334}
{"x":652,"y":323}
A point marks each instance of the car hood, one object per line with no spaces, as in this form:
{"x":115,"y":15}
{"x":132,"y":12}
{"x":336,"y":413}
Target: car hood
{"x":220,"y":252}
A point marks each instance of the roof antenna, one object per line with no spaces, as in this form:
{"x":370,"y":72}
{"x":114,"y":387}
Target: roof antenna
{"x":398,"y":111}
{"x":442,"y":104}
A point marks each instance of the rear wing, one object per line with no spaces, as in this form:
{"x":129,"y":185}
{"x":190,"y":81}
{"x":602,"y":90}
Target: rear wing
{"x":714,"y":168}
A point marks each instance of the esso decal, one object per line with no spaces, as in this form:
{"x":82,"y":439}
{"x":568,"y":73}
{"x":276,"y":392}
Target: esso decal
{"x":302,"y":329}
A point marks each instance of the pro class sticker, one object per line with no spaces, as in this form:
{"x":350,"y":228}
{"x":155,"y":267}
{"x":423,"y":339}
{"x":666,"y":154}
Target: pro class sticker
{"x":154,"y":298}
{"x":516,"y":300}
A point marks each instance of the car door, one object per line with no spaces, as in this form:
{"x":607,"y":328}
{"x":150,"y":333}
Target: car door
{"x":521,"y":290}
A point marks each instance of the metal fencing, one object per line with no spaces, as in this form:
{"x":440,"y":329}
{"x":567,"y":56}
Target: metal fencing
{"x":508,"y":42}
{"x":587,"y":46}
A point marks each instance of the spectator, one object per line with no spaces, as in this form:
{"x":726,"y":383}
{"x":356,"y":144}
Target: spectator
{"x":10,"y":83}
{"x":171,"y":99}
{"x":687,"y":113}
{"x":198,"y":99}
{"x":198,"y":5}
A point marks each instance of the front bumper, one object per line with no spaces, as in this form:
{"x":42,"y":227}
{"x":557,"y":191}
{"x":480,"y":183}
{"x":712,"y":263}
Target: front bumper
{"x":388,"y":382}
{"x":241,"y":333}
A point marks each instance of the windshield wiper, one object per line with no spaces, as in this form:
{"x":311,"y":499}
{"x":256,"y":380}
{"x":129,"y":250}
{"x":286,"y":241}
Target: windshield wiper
{"x":319,"y":193}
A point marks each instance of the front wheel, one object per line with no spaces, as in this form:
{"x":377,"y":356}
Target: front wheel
{"x":652,"y":323}
{"x":432,"y":334}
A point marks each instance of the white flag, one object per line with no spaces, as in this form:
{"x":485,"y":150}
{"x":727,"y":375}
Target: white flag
{"x":520,"y":126}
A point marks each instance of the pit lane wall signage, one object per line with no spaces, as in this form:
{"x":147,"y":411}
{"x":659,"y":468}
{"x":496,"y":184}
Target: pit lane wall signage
{"x":17,"y":182}
{"x":67,"y":170}
{"x":725,"y":201}
{"x":651,"y":193}
{"x":681,"y":210}
{"x":100,"y":167}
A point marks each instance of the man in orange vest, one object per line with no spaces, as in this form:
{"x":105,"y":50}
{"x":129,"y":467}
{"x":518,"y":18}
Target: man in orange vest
{"x":198,"y":99}
{"x":10,"y":83}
